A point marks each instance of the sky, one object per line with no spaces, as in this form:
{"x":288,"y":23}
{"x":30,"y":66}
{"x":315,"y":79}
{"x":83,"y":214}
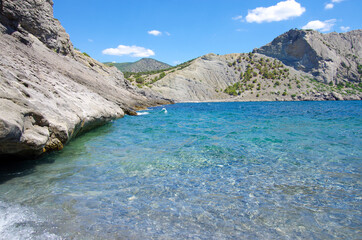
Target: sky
{"x":175,"y":31}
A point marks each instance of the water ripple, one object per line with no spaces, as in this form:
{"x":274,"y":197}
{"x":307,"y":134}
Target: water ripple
{"x":201,"y":171}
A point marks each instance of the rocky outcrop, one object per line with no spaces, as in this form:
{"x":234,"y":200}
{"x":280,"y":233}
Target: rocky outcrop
{"x":201,"y":81}
{"x":35,"y":17}
{"x":49,"y":92}
{"x":330,"y":58}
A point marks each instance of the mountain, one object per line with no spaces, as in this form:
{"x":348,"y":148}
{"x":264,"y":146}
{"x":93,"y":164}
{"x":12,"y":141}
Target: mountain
{"x":298,"y":65}
{"x":332,"y":57}
{"x":142,"y":65}
{"x":49,"y":92}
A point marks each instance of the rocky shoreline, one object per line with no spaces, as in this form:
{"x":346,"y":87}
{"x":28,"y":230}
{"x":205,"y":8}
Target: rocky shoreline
{"x":49,"y":92}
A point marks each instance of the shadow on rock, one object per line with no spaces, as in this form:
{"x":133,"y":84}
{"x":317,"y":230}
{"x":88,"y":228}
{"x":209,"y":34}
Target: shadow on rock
{"x":12,"y":167}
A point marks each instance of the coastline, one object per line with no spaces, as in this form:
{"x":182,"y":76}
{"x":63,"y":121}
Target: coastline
{"x":266,"y":100}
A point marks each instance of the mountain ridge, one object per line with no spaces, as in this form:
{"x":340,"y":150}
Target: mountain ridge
{"x":142,"y":65}
{"x":320,"y":67}
{"x":330,"y":57}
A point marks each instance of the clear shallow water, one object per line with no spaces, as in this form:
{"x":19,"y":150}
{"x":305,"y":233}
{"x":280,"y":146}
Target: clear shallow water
{"x":279,"y":170}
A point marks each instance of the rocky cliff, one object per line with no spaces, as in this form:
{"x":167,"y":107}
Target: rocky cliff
{"x":298,"y":65}
{"x":330,"y":58}
{"x":35,"y":17}
{"x":200,"y":81}
{"x":50,"y":92}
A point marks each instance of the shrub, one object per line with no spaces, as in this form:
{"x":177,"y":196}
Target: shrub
{"x":340,"y":85}
{"x":231,"y":90}
{"x":163,"y":74}
{"x":359,"y":67}
{"x":140,"y":80}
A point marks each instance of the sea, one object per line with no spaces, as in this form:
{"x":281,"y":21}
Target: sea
{"x":241,"y":170}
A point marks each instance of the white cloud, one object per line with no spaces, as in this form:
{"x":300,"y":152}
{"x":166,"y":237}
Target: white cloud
{"x":90,"y":40}
{"x":133,"y":51}
{"x":238,"y":18}
{"x":329,"y":6}
{"x":168,"y":34}
{"x":177,"y":62}
{"x":345,"y":29}
{"x":154,"y":32}
{"x":282,"y":11}
{"x":324,"y":26}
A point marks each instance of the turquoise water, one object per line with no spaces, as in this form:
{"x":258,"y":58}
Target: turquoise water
{"x":276,"y":170}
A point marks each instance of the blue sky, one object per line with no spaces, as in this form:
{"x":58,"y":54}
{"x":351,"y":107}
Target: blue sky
{"x":175,"y":31}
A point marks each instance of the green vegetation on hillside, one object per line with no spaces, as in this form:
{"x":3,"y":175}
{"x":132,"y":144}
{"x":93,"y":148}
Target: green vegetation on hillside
{"x":263,"y":75}
{"x":359,"y":67}
{"x":142,"y":65}
{"x":258,"y":72}
{"x":343,"y":88}
{"x":150,"y":77}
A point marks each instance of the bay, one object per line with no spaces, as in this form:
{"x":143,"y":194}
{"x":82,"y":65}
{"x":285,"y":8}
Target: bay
{"x":251,"y":170}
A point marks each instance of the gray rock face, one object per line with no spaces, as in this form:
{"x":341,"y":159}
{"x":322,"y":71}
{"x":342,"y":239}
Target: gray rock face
{"x":200,"y":81}
{"x":36,"y":18}
{"x":332,"y":57}
{"x":208,"y":76}
{"x":47,"y":98}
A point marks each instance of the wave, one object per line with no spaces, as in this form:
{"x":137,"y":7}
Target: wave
{"x":143,"y":113}
{"x":18,"y":222}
